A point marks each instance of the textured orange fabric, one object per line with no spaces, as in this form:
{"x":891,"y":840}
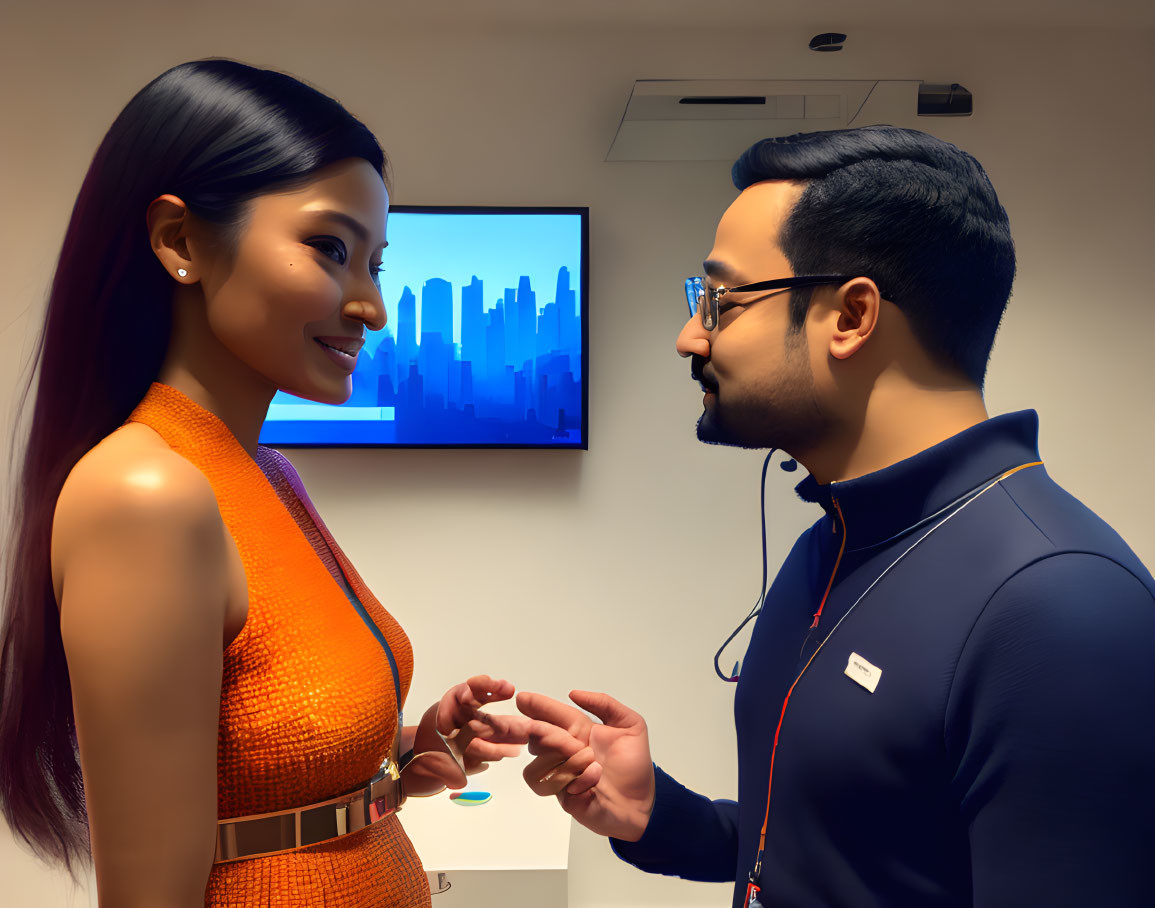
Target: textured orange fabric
{"x":308,"y":707}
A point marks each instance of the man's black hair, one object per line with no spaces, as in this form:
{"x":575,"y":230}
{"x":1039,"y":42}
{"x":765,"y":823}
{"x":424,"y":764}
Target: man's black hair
{"x":913,"y":213}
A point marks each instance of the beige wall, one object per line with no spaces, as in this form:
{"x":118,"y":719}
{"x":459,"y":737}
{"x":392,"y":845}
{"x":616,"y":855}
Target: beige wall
{"x":575,"y":568}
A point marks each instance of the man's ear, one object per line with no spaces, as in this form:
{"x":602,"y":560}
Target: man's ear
{"x":859,"y":303}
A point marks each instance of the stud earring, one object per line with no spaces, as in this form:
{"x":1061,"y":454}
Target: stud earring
{"x":182,"y":272}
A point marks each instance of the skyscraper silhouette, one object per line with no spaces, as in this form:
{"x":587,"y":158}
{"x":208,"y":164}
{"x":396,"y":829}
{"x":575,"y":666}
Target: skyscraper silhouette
{"x":568,"y":317}
{"x":495,"y":344}
{"x":406,"y":333}
{"x":437,"y":309}
{"x":527,"y":322}
{"x":473,"y":324}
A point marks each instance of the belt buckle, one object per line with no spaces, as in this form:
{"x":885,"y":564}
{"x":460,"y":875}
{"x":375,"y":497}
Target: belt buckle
{"x":320,"y":824}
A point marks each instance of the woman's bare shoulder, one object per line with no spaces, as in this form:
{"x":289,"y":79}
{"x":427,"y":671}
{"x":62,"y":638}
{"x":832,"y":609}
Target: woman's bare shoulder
{"x":131,"y":478}
{"x":134,"y":470}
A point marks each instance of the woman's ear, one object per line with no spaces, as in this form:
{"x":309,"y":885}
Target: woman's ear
{"x":168,"y":226}
{"x":859,"y":303}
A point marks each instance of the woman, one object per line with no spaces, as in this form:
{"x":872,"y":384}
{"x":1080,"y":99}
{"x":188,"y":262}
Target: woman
{"x":177,"y":616}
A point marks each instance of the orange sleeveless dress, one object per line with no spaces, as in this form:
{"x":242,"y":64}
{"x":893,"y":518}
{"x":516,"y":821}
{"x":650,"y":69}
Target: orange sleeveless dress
{"x":308,"y":699}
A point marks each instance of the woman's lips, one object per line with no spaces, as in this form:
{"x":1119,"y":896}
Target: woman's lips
{"x":345,"y":343}
{"x":340,"y":355}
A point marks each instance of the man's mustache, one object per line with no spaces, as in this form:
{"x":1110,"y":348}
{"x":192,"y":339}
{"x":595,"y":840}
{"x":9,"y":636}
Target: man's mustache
{"x":697,"y":366}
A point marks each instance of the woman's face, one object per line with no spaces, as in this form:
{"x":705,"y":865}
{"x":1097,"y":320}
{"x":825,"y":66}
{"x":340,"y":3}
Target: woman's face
{"x":294,"y":301}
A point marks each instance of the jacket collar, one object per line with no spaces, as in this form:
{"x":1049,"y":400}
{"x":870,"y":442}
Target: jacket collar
{"x":880,"y":505}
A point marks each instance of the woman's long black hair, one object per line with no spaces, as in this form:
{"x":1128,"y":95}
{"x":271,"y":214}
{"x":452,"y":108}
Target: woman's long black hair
{"x":216,"y":133}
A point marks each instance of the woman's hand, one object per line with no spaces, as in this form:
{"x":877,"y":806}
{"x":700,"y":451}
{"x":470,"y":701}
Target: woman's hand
{"x":479,"y":738}
{"x":456,"y":738}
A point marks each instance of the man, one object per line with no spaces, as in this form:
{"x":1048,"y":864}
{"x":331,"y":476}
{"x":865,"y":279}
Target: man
{"x":948,"y":694}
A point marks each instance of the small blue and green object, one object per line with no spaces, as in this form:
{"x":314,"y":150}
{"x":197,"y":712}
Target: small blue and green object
{"x":470,"y":798}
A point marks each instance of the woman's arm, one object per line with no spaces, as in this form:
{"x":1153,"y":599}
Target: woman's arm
{"x":140,"y":568}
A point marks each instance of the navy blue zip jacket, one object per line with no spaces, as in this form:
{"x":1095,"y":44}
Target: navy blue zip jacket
{"x":1006,"y":755}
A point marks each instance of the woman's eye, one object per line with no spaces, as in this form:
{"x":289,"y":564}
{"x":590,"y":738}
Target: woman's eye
{"x":335,"y":245}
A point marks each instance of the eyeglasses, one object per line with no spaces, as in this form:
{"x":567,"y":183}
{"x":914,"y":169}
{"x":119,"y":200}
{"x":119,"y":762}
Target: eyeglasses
{"x":703,"y":299}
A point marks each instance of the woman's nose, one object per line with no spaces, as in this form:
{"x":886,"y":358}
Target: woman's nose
{"x":693,"y":338}
{"x":372,"y":313}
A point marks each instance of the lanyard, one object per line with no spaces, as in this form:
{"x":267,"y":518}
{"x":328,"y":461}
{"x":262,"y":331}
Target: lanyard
{"x":754,"y":885}
{"x":344,"y":567}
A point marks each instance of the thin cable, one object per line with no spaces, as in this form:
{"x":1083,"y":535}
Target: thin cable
{"x":850,"y":122}
{"x":757,"y":610}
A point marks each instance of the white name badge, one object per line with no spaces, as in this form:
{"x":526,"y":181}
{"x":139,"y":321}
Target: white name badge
{"x":861,"y":671}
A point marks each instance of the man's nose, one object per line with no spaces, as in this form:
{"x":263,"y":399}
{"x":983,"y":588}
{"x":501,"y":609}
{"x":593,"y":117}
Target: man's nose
{"x":693,"y":338}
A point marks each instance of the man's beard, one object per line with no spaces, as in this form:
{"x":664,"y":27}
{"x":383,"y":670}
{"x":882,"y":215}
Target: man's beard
{"x":712,"y":430}
{"x":786,"y":417}
{"x":708,"y":429}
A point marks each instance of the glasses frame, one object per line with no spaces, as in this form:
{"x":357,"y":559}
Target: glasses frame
{"x":698,"y":292}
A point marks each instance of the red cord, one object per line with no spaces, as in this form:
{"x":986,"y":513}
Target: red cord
{"x":830,"y":585}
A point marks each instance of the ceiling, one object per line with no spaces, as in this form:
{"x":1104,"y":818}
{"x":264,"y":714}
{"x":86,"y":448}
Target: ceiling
{"x":820,"y":14}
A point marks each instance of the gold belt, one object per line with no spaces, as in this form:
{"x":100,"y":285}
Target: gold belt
{"x":263,"y":834}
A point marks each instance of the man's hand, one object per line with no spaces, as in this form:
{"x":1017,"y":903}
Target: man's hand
{"x":602,"y":774}
{"x":455,"y":738}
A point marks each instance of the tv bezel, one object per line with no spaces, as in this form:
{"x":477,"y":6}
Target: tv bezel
{"x":583,"y":211}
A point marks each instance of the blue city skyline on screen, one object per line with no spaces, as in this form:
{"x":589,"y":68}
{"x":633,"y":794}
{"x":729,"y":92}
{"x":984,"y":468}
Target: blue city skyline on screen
{"x":484,"y":341}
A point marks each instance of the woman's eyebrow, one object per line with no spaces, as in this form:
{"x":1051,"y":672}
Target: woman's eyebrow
{"x":359,"y":229}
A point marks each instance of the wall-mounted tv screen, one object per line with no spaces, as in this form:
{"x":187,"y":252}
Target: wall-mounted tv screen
{"x":486,"y":343}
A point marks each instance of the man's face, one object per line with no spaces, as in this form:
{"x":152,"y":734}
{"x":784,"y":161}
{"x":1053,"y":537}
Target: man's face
{"x":755,"y":369}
